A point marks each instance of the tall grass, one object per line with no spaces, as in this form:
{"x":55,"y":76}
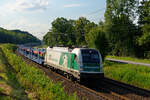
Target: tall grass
{"x":130,"y":59}
{"x":5,"y":98}
{"x":34,"y":79}
{"x":10,"y":87}
{"x":1,"y":89}
{"x":132,"y":74}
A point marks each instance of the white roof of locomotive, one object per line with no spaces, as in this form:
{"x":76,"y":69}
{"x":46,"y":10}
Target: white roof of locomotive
{"x":66,"y":49}
{"x":76,"y":50}
{"x":63,"y":49}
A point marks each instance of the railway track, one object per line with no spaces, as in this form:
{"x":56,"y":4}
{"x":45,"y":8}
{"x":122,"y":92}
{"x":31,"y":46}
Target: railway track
{"x":106,"y":90}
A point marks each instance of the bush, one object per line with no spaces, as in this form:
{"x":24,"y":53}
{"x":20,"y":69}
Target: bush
{"x":147,"y":55}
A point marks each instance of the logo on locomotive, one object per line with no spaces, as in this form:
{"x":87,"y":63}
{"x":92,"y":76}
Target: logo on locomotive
{"x":64,"y":60}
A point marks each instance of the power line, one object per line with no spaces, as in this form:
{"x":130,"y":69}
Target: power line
{"x":94,"y":12}
{"x":99,"y":10}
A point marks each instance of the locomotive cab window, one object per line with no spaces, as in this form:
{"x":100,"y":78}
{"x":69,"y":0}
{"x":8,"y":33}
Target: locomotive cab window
{"x":90,"y":56}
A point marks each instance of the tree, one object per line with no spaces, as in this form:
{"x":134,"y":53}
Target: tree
{"x":50,"y":39}
{"x":144,"y":24}
{"x":89,"y":26}
{"x":96,"y":38}
{"x":80,"y":31}
{"x":62,"y":33}
{"x":119,"y":26}
{"x":69,"y":32}
{"x":17,"y":37}
{"x":101,"y":25}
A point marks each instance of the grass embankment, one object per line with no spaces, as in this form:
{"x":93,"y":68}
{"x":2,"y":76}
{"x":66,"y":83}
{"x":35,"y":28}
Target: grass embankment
{"x":136,"y":75}
{"x":130,"y":59}
{"x":10,"y":89}
{"x":33,"y":80}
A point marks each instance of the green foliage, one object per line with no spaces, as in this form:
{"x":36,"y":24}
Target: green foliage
{"x":62,"y":33}
{"x":16,"y":37}
{"x":1,"y":90}
{"x":145,"y":39}
{"x":80,"y":31}
{"x":132,"y":74}
{"x":50,"y":39}
{"x":5,"y":98}
{"x":89,"y":26}
{"x":68,"y":32}
{"x":8,"y":79}
{"x":10,"y":47}
{"x":144,"y":24}
{"x":115,"y":8}
{"x":119,"y":27}
{"x":96,"y":38}
{"x":35,"y":80}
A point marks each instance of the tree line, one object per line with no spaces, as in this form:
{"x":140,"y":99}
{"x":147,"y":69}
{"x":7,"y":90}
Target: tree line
{"x":124,"y":32}
{"x":16,"y":37}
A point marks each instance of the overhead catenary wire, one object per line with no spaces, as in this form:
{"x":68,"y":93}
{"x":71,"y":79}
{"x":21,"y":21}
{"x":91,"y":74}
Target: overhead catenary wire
{"x":94,"y":12}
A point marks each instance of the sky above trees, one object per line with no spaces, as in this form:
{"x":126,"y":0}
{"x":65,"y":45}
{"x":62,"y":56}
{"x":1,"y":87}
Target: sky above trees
{"x":36,"y":16}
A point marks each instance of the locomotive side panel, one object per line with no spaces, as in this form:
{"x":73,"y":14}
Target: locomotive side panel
{"x":62,"y":60}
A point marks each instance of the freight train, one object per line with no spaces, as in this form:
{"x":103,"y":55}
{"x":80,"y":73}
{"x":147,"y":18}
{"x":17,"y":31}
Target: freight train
{"x":78,"y":63}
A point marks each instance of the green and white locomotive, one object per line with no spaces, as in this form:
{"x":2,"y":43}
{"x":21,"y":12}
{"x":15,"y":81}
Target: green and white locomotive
{"x":80,"y":63}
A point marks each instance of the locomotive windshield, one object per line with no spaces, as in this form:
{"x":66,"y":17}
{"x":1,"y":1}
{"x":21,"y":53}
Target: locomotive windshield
{"x":90,"y":56}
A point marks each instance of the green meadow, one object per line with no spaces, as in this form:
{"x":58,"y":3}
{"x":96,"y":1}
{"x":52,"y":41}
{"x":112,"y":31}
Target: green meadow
{"x":136,"y":75}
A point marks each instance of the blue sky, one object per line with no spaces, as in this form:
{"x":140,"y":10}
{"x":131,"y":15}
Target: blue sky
{"x":35,"y":16}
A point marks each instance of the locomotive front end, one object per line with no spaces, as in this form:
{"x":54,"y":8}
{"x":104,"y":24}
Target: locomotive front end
{"x":90,"y":65}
